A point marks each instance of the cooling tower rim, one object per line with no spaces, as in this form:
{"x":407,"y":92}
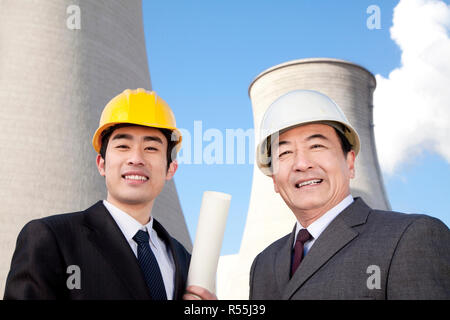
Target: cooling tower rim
{"x":309,"y":60}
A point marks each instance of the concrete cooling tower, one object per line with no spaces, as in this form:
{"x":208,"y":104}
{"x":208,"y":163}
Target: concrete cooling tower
{"x":351,"y":87}
{"x":60,"y":62}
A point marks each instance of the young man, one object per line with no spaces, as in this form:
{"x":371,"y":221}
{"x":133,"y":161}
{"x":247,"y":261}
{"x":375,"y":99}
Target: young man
{"x":340,"y":248}
{"x":114,"y":249}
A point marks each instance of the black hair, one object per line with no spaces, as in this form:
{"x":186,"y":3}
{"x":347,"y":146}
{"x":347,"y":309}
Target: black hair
{"x":345,"y":144}
{"x":171,"y":153}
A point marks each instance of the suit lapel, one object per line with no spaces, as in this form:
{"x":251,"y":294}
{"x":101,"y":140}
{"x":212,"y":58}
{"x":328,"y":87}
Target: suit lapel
{"x":283,"y":262}
{"x":163,"y":234}
{"x":338,"y":234}
{"x":107,"y":237}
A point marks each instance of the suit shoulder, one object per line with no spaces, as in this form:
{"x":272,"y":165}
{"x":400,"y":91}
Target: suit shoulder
{"x":63,"y":217}
{"x":395,"y":225}
{"x":57,"y":223}
{"x":394,"y":218}
{"x":62,"y":220}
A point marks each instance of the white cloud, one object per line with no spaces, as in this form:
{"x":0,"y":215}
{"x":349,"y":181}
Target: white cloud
{"x":412,"y":106}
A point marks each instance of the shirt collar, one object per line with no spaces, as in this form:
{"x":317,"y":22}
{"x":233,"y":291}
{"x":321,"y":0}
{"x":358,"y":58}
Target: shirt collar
{"x":317,"y":227}
{"x":128,"y":225}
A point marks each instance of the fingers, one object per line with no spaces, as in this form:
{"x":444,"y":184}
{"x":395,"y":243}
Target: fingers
{"x":198,"y":293}
{"x":191,"y":296}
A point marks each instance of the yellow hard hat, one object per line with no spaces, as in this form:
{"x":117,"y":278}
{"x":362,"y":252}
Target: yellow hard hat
{"x":140,"y":107}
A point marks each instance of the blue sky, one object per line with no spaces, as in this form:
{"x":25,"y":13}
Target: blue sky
{"x":204,"y":54}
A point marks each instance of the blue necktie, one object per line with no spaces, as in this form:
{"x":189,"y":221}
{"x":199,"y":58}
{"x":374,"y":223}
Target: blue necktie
{"x":149,"y":266}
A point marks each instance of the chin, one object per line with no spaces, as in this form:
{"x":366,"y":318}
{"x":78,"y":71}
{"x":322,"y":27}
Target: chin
{"x":308,"y":205}
{"x":134,"y":200}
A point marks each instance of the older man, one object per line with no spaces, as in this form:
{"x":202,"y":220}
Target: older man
{"x":340,"y":248}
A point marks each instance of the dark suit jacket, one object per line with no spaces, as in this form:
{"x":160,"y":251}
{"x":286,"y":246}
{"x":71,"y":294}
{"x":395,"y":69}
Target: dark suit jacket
{"x":91,"y":240}
{"x":411,"y":252}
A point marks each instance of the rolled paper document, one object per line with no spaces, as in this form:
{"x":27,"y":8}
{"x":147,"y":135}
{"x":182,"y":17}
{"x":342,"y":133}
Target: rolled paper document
{"x":208,"y":240}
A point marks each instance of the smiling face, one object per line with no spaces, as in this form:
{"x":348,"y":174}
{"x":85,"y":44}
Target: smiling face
{"x":310,"y":170}
{"x":135,"y":169}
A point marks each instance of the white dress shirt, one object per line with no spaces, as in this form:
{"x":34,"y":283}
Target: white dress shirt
{"x":317,"y":227}
{"x":129,"y":227}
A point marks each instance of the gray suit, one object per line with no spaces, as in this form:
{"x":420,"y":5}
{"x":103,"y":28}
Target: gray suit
{"x":362,"y":254}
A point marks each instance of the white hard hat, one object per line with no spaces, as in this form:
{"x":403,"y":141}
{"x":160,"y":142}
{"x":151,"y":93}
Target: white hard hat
{"x":296,"y":108}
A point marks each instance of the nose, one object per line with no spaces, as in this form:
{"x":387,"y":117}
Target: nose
{"x":136,"y":157}
{"x":302,"y":162}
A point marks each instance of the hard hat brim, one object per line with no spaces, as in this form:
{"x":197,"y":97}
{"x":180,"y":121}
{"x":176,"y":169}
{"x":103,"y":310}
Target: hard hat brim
{"x":97,"y":138}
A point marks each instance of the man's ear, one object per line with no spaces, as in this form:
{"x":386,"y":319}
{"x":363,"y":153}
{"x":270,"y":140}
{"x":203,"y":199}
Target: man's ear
{"x":172,"y":169}
{"x":101,"y":165}
{"x":351,"y":163}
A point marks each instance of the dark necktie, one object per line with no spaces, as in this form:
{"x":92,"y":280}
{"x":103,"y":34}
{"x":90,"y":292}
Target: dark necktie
{"x":302,"y":237}
{"x":149,"y":266}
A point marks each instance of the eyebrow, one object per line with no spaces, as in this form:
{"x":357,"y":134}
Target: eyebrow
{"x":130,"y":137}
{"x":280,"y":143}
{"x":316,"y":136}
{"x":311,"y":137}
